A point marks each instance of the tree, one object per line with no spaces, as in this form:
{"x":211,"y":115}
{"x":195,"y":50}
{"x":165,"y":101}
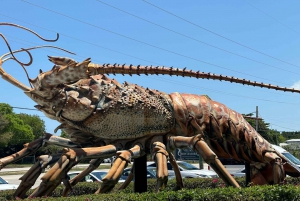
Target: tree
{"x":17,"y":129}
{"x":281,"y":138}
{"x":5,"y":109}
{"x":4,"y":136}
{"x":37,"y":125}
{"x":291,"y":135}
{"x":64,"y":134}
{"x":21,"y":132}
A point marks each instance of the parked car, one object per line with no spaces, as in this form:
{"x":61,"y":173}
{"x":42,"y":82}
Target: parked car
{"x":287,"y":156}
{"x":239,"y":173}
{"x":151,"y":173}
{"x":95,"y":176}
{"x":4,"y":185}
{"x":188,"y":170}
{"x":107,"y":160}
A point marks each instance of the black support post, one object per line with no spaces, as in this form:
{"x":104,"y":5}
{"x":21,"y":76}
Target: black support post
{"x":140,"y":172}
{"x":247,"y":171}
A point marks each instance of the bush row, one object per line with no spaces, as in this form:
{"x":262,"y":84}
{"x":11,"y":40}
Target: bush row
{"x":195,"y":189}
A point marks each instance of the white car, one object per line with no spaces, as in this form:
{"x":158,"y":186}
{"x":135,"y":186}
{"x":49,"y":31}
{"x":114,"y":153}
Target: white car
{"x":4,"y":185}
{"x":292,"y":160}
{"x":240,"y":173}
{"x":151,"y":173}
{"x":95,"y":176}
{"x":187,"y":170}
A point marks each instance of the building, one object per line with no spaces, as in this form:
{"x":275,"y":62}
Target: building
{"x":293,"y":143}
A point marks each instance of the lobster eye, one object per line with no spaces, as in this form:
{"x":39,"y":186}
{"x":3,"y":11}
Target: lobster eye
{"x":53,"y":108}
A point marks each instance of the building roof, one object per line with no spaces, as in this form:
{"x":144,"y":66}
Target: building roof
{"x":293,"y":140}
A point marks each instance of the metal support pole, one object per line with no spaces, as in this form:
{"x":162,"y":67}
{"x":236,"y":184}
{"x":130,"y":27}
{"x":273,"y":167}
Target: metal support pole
{"x":140,"y":172}
{"x":248,"y":172}
{"x":201,"y":166}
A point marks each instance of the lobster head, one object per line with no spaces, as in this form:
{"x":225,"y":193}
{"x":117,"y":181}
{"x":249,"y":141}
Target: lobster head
{"x":49,"y":97}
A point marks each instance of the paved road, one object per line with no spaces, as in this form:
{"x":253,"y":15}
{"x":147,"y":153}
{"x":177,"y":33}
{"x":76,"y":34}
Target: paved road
{"x":14,"y":179}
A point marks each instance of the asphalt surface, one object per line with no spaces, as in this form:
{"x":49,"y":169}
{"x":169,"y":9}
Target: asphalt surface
{"x":14,"y":179}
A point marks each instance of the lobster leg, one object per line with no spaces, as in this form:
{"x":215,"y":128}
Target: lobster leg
{"x":198,"y":144}
{"x":160,"y":157}
{"x":70,"y":158}
{"x":129,"y":178}
{"x":29,"y":148}
{"x":32,"y":147}
{"x":29,"y":178}
{"x":93,"y":165}
{"x":272,"y":172}
{"x":121,"y":162}
{"x":178,"y":176}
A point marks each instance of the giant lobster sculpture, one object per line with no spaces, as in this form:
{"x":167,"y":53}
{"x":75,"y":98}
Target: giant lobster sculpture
{"x":104,"y":118}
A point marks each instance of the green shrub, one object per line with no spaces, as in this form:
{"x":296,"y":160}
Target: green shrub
{"x":195,"y":189}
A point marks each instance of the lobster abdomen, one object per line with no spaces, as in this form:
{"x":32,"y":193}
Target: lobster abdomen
{"x":227,"y":133}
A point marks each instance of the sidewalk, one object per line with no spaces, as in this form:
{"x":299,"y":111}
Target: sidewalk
{"x":14,"y":169}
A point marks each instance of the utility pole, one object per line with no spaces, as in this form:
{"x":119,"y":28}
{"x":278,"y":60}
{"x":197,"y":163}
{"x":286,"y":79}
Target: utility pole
{"x":256,"y":121}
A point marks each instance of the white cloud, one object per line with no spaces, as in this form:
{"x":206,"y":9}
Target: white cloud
{"x":296,"y":85}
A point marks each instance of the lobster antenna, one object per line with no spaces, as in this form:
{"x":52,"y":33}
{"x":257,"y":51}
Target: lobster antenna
{"x":161,"y":70}
{"x":32,"y":48}
{"x":21,"y":27}
{"x":12,"y":54}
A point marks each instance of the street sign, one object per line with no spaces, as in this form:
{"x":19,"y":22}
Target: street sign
{"x":186,"y":154}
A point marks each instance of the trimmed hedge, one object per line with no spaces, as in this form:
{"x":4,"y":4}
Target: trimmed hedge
{"x":195,"y":189}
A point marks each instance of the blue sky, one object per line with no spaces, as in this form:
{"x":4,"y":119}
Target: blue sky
{"x":258,"y":41}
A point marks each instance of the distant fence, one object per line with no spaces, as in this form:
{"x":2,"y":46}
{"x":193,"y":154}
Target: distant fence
{"x":26,"y":160}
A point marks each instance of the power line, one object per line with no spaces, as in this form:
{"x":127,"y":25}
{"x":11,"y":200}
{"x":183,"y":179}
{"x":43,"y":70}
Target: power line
{"x":197,"y":40}
{"x":283,"y":121}
{"x":207,"y":89}
{"x":219,"y":35}
{"x":282,"y":126}
{"x":216,"y":91}
{"x":272,"y":17}
{"x":24,"y":108}
{"x":222,"y":92}
{"x":145,"y":43}
{"x":84,"y":41}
